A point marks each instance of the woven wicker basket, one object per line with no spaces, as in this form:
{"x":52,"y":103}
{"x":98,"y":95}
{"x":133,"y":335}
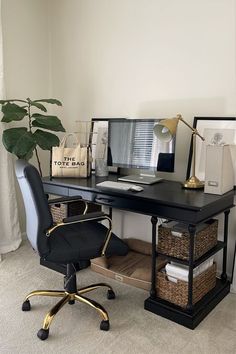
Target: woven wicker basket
{"x":178,"y":247}
{"x":177,"y":293}
{"x":59,"y":211}
{"x":63,"y":210}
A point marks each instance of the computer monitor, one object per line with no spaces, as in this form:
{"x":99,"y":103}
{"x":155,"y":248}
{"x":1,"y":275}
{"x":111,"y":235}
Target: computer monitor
{"x":131,"y":144}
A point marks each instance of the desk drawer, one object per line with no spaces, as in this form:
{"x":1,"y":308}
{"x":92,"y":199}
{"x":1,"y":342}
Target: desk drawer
{"x":89,"y":196}
{"x":50,"y":189}
{"x":114,"y":201}
{"x":103,"y":199}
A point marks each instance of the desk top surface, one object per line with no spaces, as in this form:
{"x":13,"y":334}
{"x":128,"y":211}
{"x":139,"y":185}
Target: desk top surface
{"x":169,"y":193}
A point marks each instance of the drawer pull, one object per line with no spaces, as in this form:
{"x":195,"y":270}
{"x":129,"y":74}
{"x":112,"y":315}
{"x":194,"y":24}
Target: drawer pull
{"x":104,"y":200}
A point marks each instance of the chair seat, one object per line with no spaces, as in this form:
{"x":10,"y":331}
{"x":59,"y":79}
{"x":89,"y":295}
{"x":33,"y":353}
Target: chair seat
{"x":82,"y":241}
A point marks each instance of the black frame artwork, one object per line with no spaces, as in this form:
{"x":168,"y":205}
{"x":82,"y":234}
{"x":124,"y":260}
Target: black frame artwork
{"x":205,"y":125}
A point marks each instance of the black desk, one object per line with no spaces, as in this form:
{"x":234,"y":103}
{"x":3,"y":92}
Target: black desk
{"x":170,"y":201}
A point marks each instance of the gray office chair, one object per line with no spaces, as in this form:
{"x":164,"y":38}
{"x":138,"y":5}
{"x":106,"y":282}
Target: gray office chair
{"x":75,"y":239}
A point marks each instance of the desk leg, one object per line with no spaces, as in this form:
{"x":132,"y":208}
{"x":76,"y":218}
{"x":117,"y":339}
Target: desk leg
{"x":192,"y":231}
{"x":224,"y":270}
{"x":154,"y":257}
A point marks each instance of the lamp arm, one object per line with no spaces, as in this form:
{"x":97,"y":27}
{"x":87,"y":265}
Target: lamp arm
{"x":194,"y":131}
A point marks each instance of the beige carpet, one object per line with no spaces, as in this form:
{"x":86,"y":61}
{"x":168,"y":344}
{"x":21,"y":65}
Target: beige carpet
{"x":76,"y":328}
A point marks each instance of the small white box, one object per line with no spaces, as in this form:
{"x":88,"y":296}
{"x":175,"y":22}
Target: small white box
{"x":219,"y":173}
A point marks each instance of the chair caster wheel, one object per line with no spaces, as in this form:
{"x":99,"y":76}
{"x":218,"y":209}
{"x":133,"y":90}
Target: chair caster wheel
{"x":26,"y":306}
{"x":105,"y":325}
{"x":43,"y":334}
{"x":111,"y":295}
{"x":71,"y":302}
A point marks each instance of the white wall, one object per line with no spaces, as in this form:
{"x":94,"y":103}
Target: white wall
{"x":26,"y":57}
{"x":26,"y":52}
{"x":25,"y":41}
{"x":142,"y":58}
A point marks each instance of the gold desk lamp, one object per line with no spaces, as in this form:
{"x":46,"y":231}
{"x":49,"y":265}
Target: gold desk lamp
{"x":165,"y":130}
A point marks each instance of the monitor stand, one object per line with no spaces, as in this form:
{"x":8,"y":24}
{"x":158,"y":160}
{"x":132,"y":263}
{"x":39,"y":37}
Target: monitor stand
{"x":141,"y":178}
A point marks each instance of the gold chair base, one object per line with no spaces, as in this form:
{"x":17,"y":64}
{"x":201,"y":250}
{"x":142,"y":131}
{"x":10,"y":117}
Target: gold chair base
{"x":70,"y":297}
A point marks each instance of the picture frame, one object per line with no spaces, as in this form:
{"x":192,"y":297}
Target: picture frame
{"x":98,"y":144}
{"x":215,"y":130}
{"x":99,"y":131}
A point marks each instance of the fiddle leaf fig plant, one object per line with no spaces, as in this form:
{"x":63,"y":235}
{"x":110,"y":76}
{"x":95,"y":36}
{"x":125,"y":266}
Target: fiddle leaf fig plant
{"x":23,"y":141}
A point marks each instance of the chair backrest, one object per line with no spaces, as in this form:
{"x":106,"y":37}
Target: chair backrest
{"x":38,"y":215}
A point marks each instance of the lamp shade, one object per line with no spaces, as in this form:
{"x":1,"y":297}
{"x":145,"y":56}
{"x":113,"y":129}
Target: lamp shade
{"x":166,"y":129}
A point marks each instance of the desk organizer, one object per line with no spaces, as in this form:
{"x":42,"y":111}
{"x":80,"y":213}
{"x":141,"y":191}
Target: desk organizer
{"x":177,"y":292}
{"x":176,"y":244}
{"x":133,"y":269}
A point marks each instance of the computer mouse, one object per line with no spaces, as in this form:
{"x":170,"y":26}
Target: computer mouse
{"x":136,"y":189}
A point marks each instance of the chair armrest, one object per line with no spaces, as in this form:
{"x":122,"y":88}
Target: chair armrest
{"x":88,"y":217}
{"x":98,"y":216}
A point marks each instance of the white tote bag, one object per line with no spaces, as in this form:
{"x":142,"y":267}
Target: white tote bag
{"x":71,"y":161}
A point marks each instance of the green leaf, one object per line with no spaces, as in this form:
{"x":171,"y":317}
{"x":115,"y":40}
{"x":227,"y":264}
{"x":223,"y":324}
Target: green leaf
{"x":13,"y":112}
{"x":47,"y":122}
{"x":46,"y":140}
{"x":19,"y":142}
{"x":12,"y":100}
{"x":50,"y":100}
{"x":58,"y":128}
{"x":38,"y":105}
{"x":28,"y":156}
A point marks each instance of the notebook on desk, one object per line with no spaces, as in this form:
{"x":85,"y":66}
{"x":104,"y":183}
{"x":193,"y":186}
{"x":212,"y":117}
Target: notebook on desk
{"x":143,"y":179}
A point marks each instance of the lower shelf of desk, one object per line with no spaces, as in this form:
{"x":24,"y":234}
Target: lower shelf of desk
{"x":201,"y":309}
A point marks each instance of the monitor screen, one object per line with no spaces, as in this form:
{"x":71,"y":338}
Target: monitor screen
{"x":130,"y":143}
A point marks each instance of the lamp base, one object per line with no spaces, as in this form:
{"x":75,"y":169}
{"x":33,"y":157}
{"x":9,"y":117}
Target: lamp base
{"x":193,"y":183}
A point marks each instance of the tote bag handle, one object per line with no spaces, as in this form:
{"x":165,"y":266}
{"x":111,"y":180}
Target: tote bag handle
{"x":65,"y":137}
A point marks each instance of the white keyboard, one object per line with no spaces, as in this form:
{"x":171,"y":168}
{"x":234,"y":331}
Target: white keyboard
{"x":117,"y":185}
